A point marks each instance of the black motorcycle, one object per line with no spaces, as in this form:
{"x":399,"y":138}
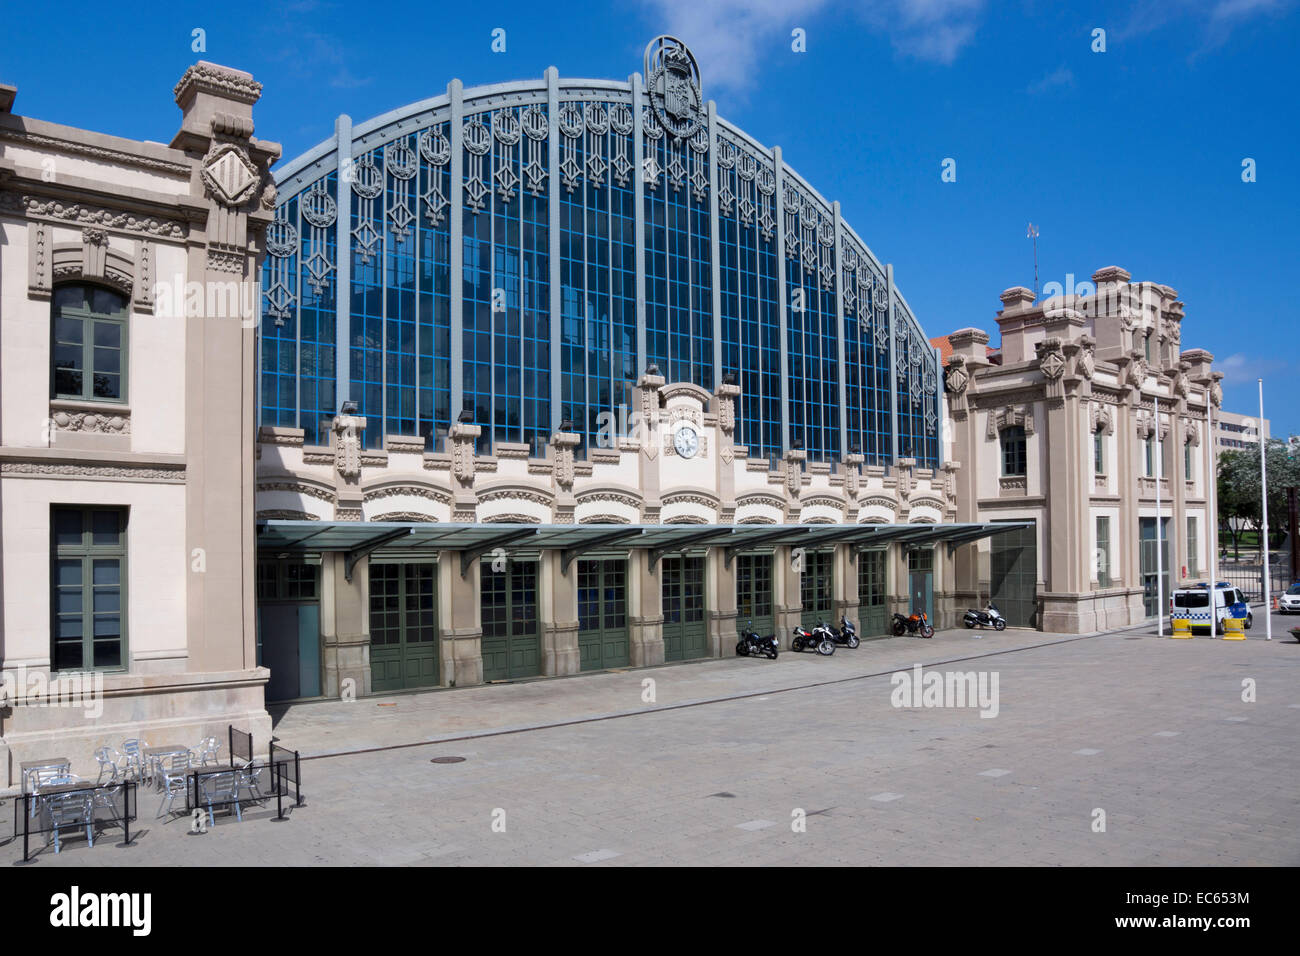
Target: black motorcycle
{"x":751,"y":645}
{"x":818,"y":639}
{"x":989,"y":617}
{"x":846,"y":635}
{"x":917,"y":623}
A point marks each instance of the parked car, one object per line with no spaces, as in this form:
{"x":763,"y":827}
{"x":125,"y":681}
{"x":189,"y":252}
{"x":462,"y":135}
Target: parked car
{"x":1289,"y":603}
{"x":1193,"y":603}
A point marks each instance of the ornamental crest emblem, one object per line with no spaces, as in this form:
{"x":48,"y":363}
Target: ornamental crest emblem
{"x":673,"y":85}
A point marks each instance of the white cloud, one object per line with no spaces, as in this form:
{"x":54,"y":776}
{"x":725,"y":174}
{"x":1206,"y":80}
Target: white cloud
{"x":731,"y":38}
{"x":1062,"y":76}
{"x":1218,"y":18}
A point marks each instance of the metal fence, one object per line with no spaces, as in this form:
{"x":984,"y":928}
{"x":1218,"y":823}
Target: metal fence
{"x":286,"y":769}
{"x":1249,"y":576}
{"x":241,"y":746}
{"x":74,"y":809}
{"x":221,"y":788}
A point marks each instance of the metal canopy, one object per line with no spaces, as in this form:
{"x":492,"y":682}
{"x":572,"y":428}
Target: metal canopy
{"x":360,"y":538}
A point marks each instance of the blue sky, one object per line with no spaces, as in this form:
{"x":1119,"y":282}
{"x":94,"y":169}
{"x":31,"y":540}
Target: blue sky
{"x":1130,"y":157}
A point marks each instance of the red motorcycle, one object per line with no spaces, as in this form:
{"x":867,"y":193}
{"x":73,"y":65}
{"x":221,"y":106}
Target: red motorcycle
{"x":918,"y":622}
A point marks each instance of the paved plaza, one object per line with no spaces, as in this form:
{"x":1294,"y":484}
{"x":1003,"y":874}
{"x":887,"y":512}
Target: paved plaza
{"x":800,"y":761}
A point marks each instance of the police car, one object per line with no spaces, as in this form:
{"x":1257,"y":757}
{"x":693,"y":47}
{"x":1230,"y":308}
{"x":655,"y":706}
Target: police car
{"x":1289,"y":603}
{"x":1194,"y":603}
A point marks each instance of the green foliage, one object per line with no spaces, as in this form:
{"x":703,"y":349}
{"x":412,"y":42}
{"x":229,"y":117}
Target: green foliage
{"x":1239,"y":493}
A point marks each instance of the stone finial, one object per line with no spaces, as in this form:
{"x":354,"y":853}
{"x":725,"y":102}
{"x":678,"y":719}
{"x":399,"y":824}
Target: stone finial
{"x":1017,"y":299}
{"x":1111,"y":274}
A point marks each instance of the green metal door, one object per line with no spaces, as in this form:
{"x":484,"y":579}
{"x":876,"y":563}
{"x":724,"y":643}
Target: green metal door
{"x":871,"y":593}
{"x":1013,"y":572}
{"x":1154,"y":584}
{"x":920,"y":579}
{"x":685,"y":633}
{"x":817,"y":588}
{"x":602,"y":613}
{"x":403,"y":626}
{"x":754,"y":592}
{"x":512,"y":643}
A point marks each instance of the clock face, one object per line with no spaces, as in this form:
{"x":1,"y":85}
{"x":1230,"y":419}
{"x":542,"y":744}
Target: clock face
{"x":686,"y":441}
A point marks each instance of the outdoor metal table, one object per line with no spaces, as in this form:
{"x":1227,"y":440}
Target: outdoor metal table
{"x":27,"y":769}
{"x":153,"y":757}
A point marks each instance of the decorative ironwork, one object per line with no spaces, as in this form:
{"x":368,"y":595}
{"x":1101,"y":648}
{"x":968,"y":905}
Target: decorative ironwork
{"x":436,"y":150}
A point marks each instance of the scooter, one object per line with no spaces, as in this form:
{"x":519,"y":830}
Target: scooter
{"x":751,"y":645}
{"x":989,"y":617}
{"x":911,"y":625}
{"x":846,"y":635}
{"x":818,"y":639}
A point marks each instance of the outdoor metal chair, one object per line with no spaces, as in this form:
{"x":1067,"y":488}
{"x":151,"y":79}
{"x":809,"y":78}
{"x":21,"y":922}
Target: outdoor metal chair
{"x":110,"y":762}
{"x":174,"y":779}
{"x":207,"y":751}
{"x":133,"y":752}
{"x":219,"y":787}
{"x":45,"y":777}
{"x":247,"y":778}
{"x":70,"y":809}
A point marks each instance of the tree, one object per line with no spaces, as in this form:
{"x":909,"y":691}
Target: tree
{"x":1239,"y":493}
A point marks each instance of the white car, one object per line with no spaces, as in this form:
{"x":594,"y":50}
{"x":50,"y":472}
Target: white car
{"x":1289,"y":603}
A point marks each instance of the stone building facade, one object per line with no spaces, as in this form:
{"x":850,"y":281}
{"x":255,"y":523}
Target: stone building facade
{"x":126,"y":424}
{"x":1095,"y":412}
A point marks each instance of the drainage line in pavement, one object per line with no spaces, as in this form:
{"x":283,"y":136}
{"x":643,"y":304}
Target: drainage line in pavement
{"x":505,"y":731}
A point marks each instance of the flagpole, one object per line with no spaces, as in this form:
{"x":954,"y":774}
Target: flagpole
{"x":1160,"y":558}
{"x":1263,"y":490}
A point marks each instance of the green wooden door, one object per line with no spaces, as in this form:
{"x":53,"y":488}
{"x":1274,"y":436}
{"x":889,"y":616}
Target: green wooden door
{"x":685,"y":631}
{"x":403,"y":626}
{"x":871,"y":593}
{"x":754,"y":593}
{"x":512,"y":643}
{"x":602,"y":614}
{"x":817,"y":588}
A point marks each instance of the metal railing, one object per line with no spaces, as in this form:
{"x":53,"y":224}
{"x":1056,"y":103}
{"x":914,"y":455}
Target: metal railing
{"x":286,"y":768}
{"x":1248,"y":576}
{"x":74,"y":809}
{"x":220,"y":788}
{"x":241,"y":745}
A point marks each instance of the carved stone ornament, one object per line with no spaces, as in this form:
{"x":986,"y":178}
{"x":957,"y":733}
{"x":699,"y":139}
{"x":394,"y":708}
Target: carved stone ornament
{"x":347,"y":444}
{"x":1216,"y":394}
{"x":1137,"y":370}
{"x":955,"y":376}
{"x":1101,"y":416}
{"x":565,"y":471}
{"x":1191,"y":433}
{"x":673,"y":86}
{"x":1008,"y":416}
{"x":96,"y":422}
{"x":1088,"y":361}
{"x":1050,"y":358}
{"x":229,"y":174}
{"x":1182,"y":384}
{"x":462,"y":461}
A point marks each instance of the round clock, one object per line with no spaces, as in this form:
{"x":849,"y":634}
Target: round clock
{"x":686,"y":441}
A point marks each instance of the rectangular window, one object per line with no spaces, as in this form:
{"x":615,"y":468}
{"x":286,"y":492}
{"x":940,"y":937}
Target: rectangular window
{"x":1187,"y":461}
{"x":88,"y":588}
{"x":871,"y":579}
{"x":1103,"y":551}
{"x":1014,"y":457}
{"x":1099,"y":452}
{"x":1193,"y":549}
{"x":89,"y":344}
{"x":1149,"y":444}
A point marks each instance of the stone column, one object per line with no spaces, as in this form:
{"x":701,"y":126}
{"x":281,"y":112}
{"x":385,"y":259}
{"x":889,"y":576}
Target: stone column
{"x":787,"y":596}
{"x":558,"y":615}
{"x":229,"y":205}
{"x":460,"y":622}
{"x":721,"y":583}
{"x":724,"y":405}
{"x":345,"y":626}
{"x":645,"y":603}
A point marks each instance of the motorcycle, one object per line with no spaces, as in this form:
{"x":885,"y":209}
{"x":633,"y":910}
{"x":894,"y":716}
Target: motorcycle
{"x":751,"y":645}
{"x":846,"y":635}
{"x":818,"y":639}
{"x":918,"y":622}
{"x":989,"y":617}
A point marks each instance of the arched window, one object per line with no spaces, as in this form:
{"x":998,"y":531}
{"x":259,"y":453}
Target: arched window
{"x":1014,"y":457}
{"x":88,"y":348}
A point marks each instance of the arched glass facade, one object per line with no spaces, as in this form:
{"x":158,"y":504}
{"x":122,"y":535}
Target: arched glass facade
{"x":526,"y":251}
